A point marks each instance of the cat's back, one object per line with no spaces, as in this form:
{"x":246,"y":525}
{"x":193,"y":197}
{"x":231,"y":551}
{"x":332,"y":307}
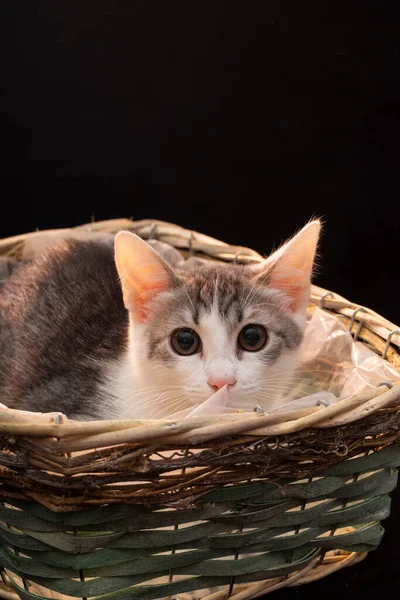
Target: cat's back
{"x":62,"y":320}
{"x":69,"y":262}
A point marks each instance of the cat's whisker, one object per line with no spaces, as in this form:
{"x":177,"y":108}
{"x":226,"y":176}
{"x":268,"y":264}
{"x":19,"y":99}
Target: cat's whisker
{"x":180,"y":402}
{"x":279,"y":379}
{"x":156,"y":397}
{"x":296,"y":373}
{"x":145,"y":399}
{"x":283,"y":394}
{"x":265,"y":396}
{"x":140,"y":390}
{"x":301,"y":391}
{"x":157,"y":387}
{"x":280,"y":384}
{"x":135,"y":372}
{"x":286,"y":383}
{"x":144,"y":393}
{"x":286,"y":393}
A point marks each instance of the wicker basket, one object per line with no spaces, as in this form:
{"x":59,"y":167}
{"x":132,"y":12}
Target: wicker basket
{"x":240,"y":506}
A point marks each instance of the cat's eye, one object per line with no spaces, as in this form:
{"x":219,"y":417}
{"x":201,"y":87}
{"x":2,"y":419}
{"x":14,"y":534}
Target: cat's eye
{"x":185,"y":341}
{"x":252,"y":338}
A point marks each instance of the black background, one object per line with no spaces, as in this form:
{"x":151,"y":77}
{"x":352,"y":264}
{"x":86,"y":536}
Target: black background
{"x":240,"y":120}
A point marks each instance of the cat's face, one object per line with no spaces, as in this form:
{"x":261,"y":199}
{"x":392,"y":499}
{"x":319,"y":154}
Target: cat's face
{"x":195,"y":331}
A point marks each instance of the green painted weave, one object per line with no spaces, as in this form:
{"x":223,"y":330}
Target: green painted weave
{"x":120,"y":546}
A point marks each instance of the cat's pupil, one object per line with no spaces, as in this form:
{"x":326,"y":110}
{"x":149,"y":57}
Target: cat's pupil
{"x":251,"y":335}
{"x":252,"y":338}
{"x":185,"y":339}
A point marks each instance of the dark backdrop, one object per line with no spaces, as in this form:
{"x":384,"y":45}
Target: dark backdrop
{"x":240,"y":120}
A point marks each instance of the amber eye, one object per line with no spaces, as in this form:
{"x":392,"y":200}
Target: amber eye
{"x":252,"y":338}
{"x":185,"y":341}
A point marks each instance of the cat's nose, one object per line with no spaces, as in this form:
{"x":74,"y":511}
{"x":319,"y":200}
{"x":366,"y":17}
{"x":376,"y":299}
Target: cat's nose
{"x":218,"y":382}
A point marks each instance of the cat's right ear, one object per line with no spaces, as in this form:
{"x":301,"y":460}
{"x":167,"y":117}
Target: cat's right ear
{"x":142,"y":272}
{"x":289,"y":269}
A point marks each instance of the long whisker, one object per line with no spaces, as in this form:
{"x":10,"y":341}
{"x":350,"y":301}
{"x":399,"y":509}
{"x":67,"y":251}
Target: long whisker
{"x":153,"y":395}
{"x":284,"y":393}
{"x":286,"y":382}
{"x":277,"y":385}
{"x":157,"y":387}
{"x":297,"y":372}
{"x":154,"y":402}
{"x":170,"y":406}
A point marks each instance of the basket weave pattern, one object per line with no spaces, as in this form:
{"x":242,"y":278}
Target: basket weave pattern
{"x":159,"y":508}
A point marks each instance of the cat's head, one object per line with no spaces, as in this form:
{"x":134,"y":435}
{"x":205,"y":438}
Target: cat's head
{"x":194,"y":331}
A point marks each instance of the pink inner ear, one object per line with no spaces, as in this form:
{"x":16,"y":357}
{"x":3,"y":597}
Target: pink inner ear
{"x":291,"y":266}
{"x":142,"y":272}
{"x":294,"y":284}
{"x":147,"y":281}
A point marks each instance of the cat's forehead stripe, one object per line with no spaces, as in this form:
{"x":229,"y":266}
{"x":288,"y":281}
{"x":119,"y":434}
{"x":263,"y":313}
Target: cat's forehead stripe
{"x":213,"y":286}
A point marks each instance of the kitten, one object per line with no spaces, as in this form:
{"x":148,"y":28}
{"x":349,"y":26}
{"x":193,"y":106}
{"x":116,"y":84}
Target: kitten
{"x":107,"y":329}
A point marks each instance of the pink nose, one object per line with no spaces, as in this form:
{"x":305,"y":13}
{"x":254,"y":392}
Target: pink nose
{"x":219,"y":382}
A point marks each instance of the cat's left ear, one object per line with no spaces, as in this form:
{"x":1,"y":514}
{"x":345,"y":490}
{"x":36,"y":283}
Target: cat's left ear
{"x":143,"y":273}
{"x":289,"y":269}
